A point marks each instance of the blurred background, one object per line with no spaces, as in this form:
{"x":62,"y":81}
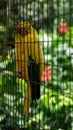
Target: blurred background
{"x":53,"y":22}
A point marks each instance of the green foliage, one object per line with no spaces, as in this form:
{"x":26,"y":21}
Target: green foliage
{"x":12,"y":94}
{"x":59,"y":95}
{"x":54,"y":110}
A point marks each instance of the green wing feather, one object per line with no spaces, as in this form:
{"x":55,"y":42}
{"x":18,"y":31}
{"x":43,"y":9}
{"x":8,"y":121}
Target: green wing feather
{"x":34,"y":76}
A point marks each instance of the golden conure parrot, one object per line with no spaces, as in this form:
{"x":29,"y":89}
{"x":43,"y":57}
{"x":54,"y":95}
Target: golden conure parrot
{"x":29,"y":61}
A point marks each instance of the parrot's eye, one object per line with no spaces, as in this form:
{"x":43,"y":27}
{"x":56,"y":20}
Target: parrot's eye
{"x":23,"y":31}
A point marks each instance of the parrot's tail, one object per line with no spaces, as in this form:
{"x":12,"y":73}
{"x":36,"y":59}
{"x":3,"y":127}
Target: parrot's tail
{"x":27,"y":100}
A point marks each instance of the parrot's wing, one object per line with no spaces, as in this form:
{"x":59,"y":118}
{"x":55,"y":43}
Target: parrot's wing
{"x":34,"y":76}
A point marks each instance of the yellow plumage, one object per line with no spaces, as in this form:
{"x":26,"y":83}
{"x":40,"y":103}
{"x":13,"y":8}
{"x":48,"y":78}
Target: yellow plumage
{"x":26,"y":45}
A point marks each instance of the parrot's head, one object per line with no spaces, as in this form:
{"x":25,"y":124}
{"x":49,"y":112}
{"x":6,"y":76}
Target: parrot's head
{"x":23,"y":28}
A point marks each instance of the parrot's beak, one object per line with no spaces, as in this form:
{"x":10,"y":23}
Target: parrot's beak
{"x":17,"y":28}
{"x":20,"y":30}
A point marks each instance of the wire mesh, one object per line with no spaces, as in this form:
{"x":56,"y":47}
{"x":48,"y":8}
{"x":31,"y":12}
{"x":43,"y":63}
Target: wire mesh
{"x":36,"y":65}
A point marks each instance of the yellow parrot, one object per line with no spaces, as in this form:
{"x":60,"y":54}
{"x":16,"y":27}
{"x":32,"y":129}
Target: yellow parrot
{"x":29,"y":61}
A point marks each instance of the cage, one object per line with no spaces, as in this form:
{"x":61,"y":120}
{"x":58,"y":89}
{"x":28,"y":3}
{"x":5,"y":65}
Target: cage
{"x":36,"y":65}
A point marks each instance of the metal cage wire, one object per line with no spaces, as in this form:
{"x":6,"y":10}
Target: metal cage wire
{"x":36,"y":65}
